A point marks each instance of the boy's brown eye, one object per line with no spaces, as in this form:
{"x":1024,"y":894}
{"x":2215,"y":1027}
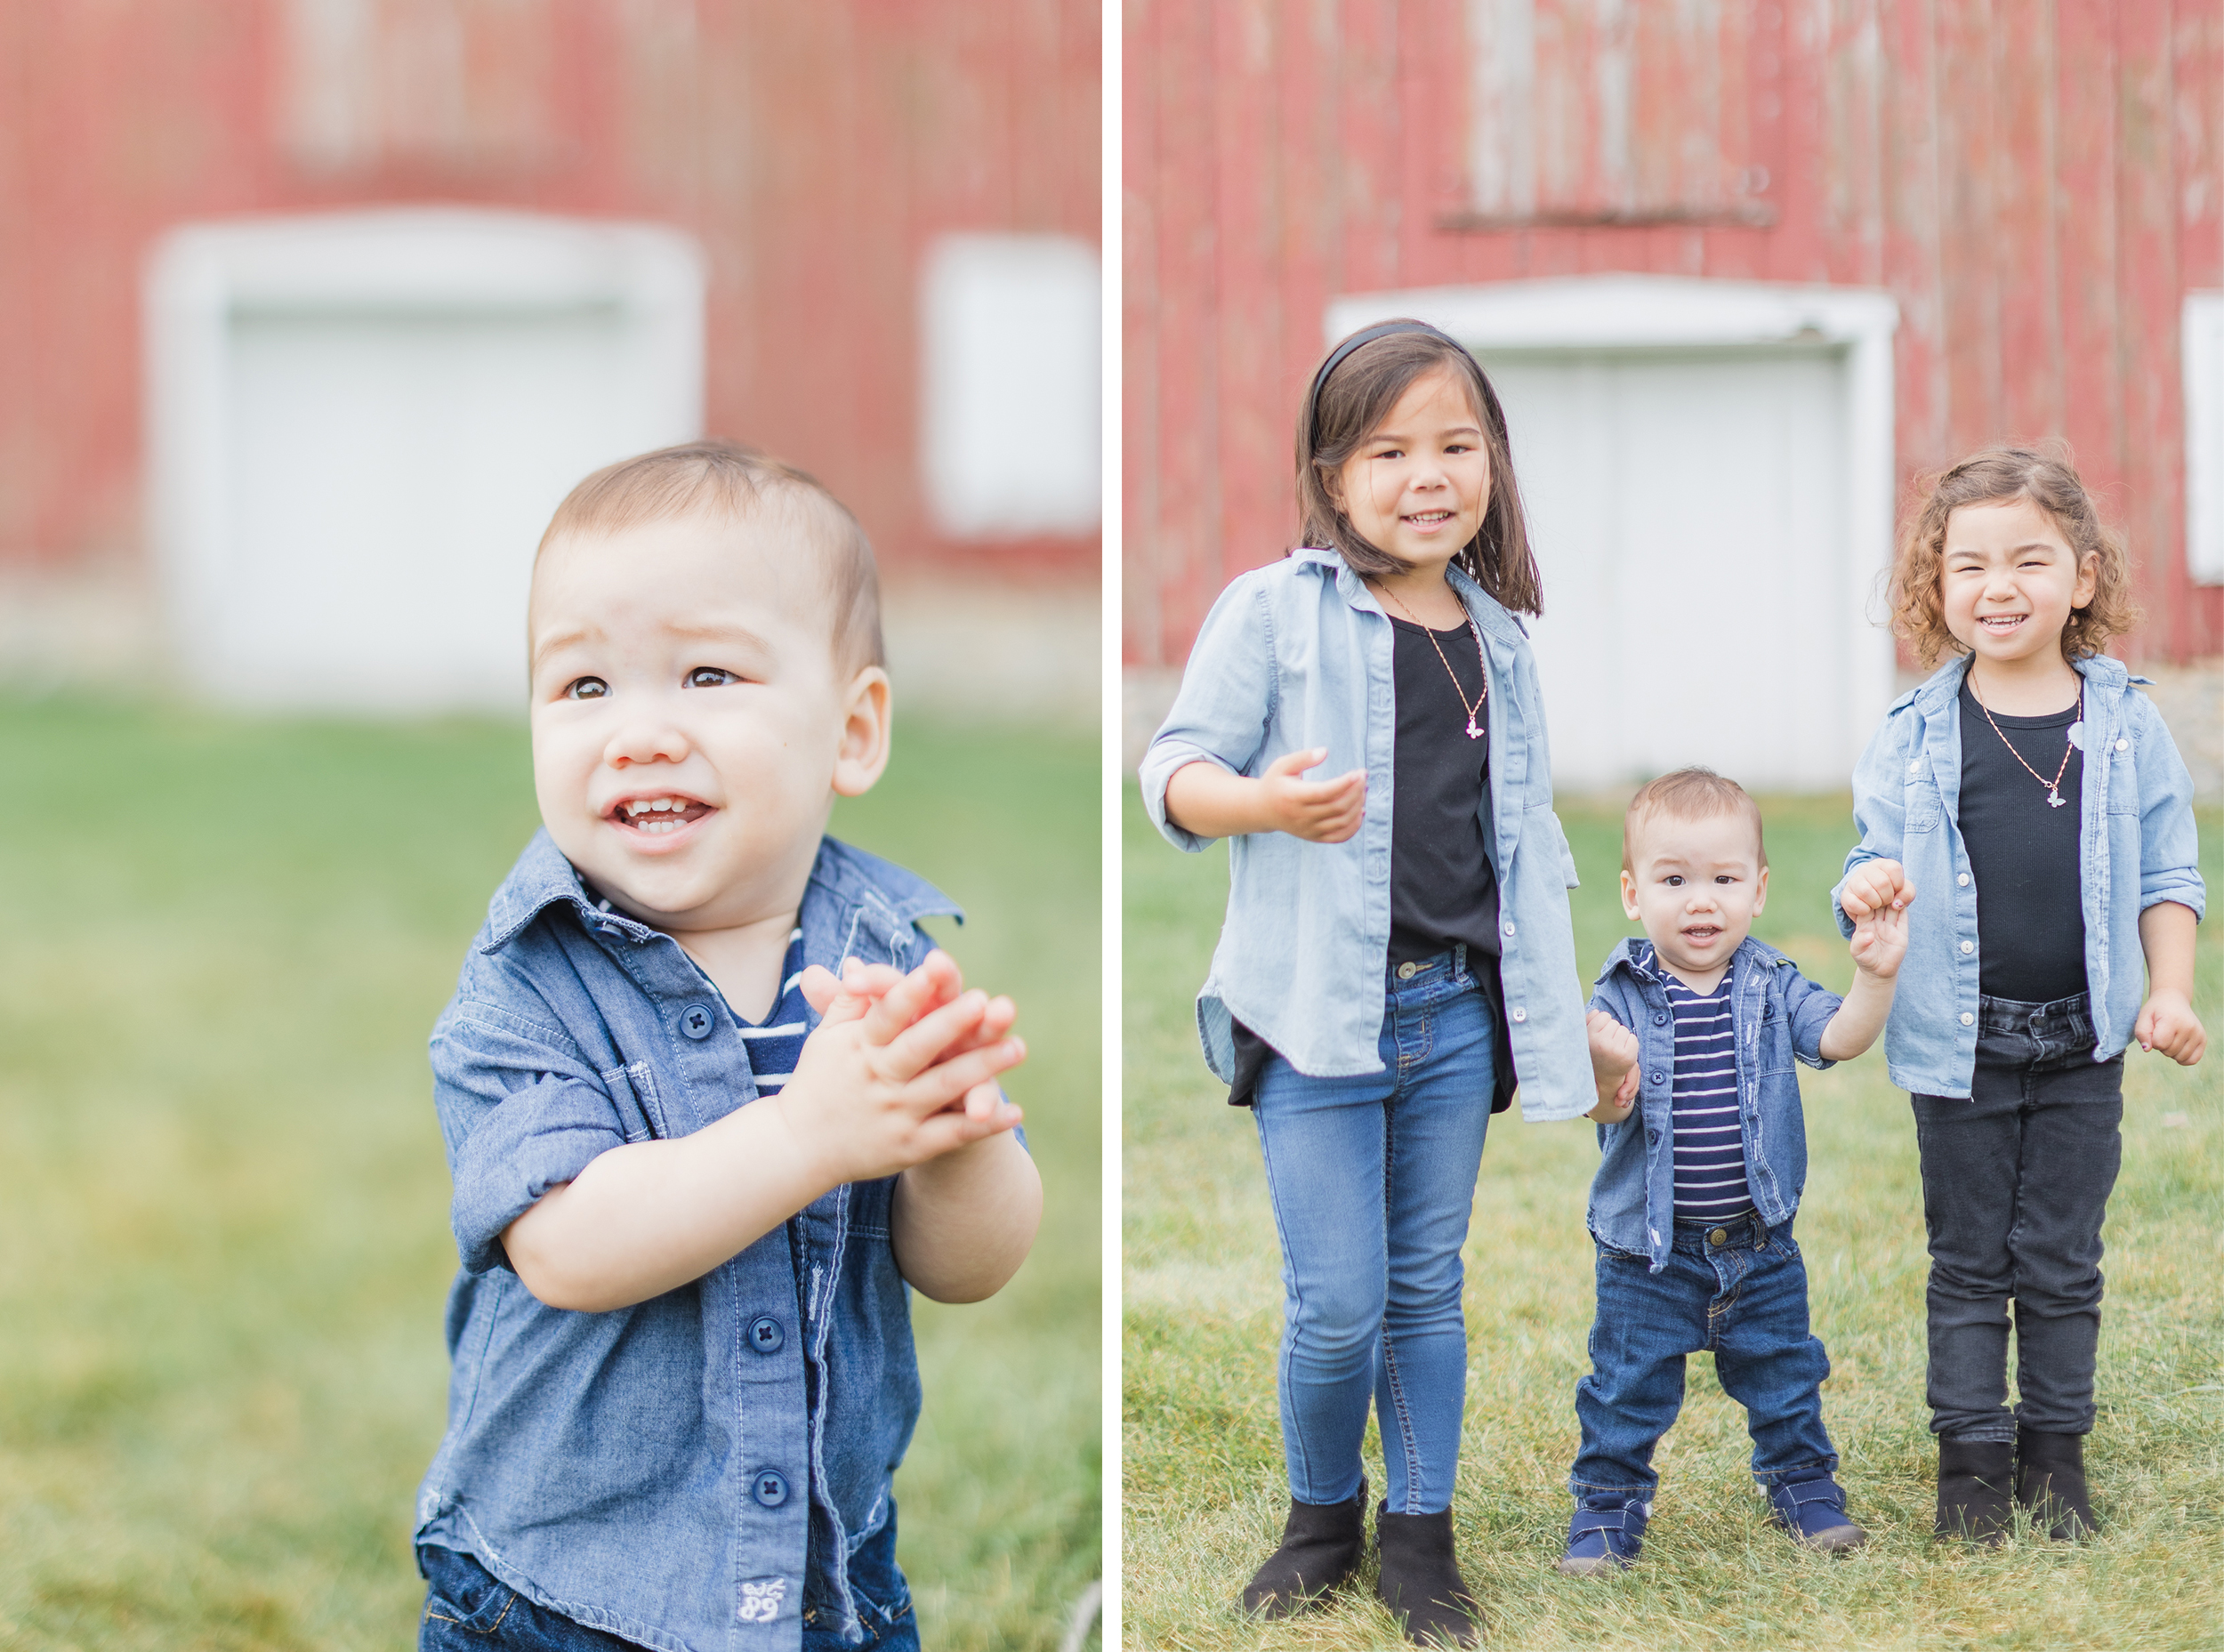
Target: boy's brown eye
{"x":709,"y":677}
{"x":586,"y":689}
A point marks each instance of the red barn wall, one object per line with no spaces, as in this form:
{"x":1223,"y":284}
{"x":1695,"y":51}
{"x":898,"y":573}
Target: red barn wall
{"x":813,"y":150}
{"x":2036,"y":184}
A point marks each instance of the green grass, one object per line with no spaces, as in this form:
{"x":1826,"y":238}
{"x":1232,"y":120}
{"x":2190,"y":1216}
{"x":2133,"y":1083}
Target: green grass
{"x":224,"y":1240}
{"x":1205,"y":1492}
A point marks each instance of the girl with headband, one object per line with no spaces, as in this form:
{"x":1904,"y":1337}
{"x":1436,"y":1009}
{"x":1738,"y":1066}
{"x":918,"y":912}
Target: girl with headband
{"x":1396,"y":954}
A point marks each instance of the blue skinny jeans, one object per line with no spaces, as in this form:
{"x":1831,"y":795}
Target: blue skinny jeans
{"x":1372,"y":1178}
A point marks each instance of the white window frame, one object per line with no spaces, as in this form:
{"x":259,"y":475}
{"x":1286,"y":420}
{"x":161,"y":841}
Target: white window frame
{"x":1643,"y":312}
{"x":2201,"y":350}
{"x":392,"y":262}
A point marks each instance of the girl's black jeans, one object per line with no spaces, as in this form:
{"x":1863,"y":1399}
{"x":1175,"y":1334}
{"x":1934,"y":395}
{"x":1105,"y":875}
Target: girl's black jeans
{"x":2014,"y":1185}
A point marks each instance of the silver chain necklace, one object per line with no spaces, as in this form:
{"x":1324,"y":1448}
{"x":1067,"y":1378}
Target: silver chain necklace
{"x":1476,"y":710}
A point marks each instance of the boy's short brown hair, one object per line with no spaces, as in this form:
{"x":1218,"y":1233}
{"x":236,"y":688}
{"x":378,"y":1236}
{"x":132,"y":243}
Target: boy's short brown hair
{"x":1997,"y":475}
{"x":726,"y":479}
{"x":1693,"y":794}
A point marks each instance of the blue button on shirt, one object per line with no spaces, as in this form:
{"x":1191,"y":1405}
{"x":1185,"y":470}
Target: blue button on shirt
{"x":644,"y":1471}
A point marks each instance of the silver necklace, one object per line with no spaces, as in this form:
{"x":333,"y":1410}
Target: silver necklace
{"x":2054,"y":799}
{"x":1476,"y":710}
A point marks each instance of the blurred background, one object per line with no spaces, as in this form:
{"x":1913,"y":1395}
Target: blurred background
{"x":1741,"y":273}
{"x":310,"y":312}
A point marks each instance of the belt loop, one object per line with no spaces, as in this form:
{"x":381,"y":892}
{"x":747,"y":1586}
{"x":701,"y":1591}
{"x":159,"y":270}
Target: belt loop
{"x":1459,"y":959}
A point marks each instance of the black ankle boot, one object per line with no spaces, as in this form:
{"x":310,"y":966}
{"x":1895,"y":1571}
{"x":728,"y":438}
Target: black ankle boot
{"x":2050,"y":1482}
{"x":1421,"y":1582}
{"x":1974,"y":1476}
{"x":1320,"y":1545}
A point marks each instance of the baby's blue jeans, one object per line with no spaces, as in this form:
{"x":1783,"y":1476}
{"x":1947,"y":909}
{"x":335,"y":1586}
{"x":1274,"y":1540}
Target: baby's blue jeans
{"x":1372,"y":1178}
{"x":1738,"y":1288}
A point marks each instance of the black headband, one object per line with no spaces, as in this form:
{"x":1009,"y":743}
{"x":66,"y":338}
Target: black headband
{"x":1386,"y":329}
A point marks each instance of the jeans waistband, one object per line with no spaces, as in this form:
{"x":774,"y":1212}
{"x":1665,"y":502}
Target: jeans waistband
{"x":1430,"y":972}
{"x":2057,"y":1020}
{"x":1745,"y":1232}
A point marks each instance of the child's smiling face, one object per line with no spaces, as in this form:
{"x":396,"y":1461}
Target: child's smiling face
{"x":1418,"y":485}
{"x":691,"y":724}
{"x":2007,"y":580}
{"x":1695,"y":886}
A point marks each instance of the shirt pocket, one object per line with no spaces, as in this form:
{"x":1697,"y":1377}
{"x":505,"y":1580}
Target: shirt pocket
{"x":1772,"y":1053}
{"x":1923,"y":807}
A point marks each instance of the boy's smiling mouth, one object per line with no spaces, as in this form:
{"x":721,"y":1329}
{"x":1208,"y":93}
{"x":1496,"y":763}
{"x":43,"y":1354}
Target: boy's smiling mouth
{"x":661,"y":814}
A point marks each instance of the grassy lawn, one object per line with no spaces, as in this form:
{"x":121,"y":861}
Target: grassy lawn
{"x":224,"y":1243}
{"x":1205,"y":1492}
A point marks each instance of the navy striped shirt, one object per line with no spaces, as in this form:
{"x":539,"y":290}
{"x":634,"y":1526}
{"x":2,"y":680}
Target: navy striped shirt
{"x":1709,"y":1134}
{"x":774,"y":1042}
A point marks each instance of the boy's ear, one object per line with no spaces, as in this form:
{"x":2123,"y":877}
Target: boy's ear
{"x":1629,"y":893}
{"x":863,"y":753}
{"x":1761,"y":892}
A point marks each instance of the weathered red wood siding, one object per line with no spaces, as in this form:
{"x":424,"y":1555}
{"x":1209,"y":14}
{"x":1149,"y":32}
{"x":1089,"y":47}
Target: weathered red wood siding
{"x":813,"y":149}
{"x":2037,"y":184}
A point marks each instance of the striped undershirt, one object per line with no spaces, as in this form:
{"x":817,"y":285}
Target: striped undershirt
{"x":775,"y":1042}
{"x":1710,"y":1138}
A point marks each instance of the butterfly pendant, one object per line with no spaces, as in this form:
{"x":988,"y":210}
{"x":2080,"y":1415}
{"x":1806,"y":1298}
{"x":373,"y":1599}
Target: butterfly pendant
{"x":2053,"y":799}
{"x":1473,"y":733}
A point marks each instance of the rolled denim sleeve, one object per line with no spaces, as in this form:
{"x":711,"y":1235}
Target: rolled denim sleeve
{"x":2169,"y":855}
{"x":519,"y":1115}
{"x":1225,"y":705}
{"x":1808,"y":1008}
{"x":1880,"y":804}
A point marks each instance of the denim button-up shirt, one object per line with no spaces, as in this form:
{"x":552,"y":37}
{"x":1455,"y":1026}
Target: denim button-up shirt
{"x":1297,"y":655}
{"x":1777,"y":1016}
{"x":2135,"y":847}
{"x":690,"y":1473}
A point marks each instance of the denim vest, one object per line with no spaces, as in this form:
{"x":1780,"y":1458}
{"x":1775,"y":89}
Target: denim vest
{"x":2136,"y":847}
{"x":1296,"y":655}
{"x":1776,"y":1016}
{"x":691,"y":1472}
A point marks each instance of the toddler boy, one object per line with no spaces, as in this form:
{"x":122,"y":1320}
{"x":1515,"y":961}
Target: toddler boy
{"x":694,"y":1171}
{"x":1693,"y":1034}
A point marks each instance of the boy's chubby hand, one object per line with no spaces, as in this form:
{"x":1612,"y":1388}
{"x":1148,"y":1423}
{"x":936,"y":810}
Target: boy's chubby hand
{"x":2167,"y":1023}
{"x":899,"y":1071}
{"x":1613,"y":1065}
{"x":1874,"y":886}
{"x":1880,"y":936}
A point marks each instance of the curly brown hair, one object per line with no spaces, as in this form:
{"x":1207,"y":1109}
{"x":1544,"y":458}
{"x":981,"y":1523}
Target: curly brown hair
{"x":1993,"y":476}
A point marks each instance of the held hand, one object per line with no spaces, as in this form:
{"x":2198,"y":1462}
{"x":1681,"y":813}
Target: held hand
{"x":1614,"y":1054}
{"x":2167,"y":1023}
{"x":1879,"y":941}
{"x":1872,"y":886}
{"x":904,"y":1077}
{"x":1320,"y":812}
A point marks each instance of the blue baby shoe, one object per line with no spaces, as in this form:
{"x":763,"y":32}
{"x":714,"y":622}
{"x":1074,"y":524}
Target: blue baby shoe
{"x":1814,"y":1511}
{"x":1607,"y":1531}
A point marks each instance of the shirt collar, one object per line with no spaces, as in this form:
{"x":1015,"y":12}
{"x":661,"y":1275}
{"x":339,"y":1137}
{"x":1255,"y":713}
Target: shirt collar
{"x":543,"y":878}
{"x":1478,"y":602}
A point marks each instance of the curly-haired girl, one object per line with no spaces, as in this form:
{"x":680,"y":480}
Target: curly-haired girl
{"x":2040,"y":798}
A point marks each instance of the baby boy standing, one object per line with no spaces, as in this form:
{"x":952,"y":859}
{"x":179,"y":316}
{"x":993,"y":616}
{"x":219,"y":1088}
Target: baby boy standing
{"x":693,"y":1171}
{"x":1693,"y":1034}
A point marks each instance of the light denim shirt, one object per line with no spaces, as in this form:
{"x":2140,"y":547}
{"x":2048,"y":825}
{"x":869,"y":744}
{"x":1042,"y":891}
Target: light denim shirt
{"x":1777,"y":1016}
{"x":691,"y":1472}
{"x":1297,"y":655}
{"x":2136,"y":847}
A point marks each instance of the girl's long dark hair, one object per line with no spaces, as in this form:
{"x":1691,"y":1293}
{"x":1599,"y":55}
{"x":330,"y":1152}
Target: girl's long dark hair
{"x":1351,"y":404}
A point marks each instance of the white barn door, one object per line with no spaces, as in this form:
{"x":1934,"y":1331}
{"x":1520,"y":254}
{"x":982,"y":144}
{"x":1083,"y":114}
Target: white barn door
{"x":1688,"y":515}
{"x":1708,"y":471}
{"x":360,"y":424}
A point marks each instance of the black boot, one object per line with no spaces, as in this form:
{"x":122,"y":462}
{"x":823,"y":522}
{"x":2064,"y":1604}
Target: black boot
{"x":1974,"y":1476}
{"x":2050,"y":1482}
{"x":1421,"y":1582}
{"x":1320,"y":1545}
